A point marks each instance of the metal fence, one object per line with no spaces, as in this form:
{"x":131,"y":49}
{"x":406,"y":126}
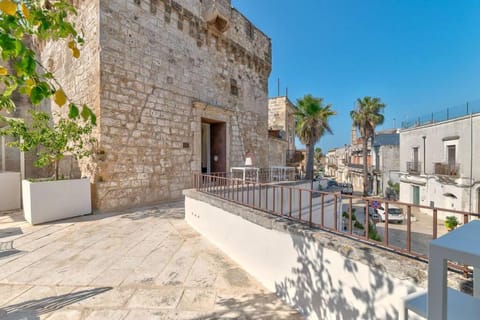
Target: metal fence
{"x":443,"y":115}
{"x":264,"y":175}
{"x":400,"y":227}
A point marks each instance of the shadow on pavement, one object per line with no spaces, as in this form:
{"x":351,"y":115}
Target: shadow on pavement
{"x":32,"y":309}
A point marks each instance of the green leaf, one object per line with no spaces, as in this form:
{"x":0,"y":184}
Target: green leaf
{"x":73,"y":112}
{"x":85,"y":113}
{"x":36,"y":95}
{"x":93,"y":118}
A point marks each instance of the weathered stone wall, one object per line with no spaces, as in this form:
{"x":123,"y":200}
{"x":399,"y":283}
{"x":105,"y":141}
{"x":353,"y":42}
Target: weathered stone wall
{"x":277,"y":152}
{"x":281,"y":117}
{"x":163,"y":70}
{"x":80,"y":79}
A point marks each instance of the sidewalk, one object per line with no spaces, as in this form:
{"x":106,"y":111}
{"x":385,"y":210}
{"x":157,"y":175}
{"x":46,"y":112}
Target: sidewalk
{"x":142,"y":264}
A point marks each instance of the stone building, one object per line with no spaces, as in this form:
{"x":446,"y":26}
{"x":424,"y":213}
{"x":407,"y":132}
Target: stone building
{"x":281,"y":132}
{"x":178,"y":87}
{"x":345,"y":164}
{"x":355,"y":162}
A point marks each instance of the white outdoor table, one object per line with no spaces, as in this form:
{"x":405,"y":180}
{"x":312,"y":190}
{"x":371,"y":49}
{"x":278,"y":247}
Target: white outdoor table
{"x":440,"y":302}
{"x":244,"y":170}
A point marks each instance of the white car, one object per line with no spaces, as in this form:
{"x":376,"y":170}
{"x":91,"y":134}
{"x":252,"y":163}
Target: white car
{"x":394,"y":214}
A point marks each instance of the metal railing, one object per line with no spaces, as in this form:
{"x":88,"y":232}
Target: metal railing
{"x":339,"y":213}
{"x":447,"y":169}
{"x":263,"y":175}
{"x":414,"y":167}
{"x":443,"y":115}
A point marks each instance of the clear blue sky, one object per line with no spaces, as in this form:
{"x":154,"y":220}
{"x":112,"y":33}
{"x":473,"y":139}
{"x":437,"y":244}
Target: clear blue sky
{"x":418,"y":56}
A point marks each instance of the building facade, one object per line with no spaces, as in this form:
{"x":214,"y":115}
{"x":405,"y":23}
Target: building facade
{"x":281,"y":132}
{"x":178,"y":87}
{"x":386,"y":161}
{"x":345,"y":164}
{"x":438,"y":164}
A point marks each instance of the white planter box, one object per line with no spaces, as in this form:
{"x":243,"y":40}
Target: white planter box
{"x":54,"y":200}
{"x":9,"y":191}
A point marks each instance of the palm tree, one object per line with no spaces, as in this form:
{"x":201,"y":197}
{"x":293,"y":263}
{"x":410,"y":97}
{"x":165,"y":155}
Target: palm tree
{"x":317,"y":157}
{"x":312,"y":123}
{"x":366,"y":118}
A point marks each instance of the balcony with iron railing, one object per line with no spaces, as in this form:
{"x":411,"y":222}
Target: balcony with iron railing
{"x":447,"y":169}
{"x":414,"y":167}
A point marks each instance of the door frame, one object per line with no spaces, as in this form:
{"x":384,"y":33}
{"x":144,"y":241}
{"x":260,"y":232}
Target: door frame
{"x":416,"y":188}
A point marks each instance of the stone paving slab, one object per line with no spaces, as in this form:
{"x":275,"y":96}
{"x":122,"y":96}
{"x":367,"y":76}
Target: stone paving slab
{"x":139,"y":264}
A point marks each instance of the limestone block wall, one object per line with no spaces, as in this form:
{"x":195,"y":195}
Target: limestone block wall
{"x":164,"y":69}
{"x":277,"y":152}
{"x":281,"y":116}
{"x":80,"y":79}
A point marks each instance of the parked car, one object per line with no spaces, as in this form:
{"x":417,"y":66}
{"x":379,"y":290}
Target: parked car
{"x":332,"y":186}
{"x":395,"y":214}
{"x":346,"y":188}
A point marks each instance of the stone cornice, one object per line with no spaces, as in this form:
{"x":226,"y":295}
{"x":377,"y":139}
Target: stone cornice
{"x":204,"y":33}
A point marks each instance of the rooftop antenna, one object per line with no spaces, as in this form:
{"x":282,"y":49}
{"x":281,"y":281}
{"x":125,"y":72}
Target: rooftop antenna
{"x":286,"y":92}
{"x":278,"y":87}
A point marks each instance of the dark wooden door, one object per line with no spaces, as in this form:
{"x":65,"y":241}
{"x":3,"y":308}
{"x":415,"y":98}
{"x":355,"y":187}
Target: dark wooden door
{"x":218,"y":147}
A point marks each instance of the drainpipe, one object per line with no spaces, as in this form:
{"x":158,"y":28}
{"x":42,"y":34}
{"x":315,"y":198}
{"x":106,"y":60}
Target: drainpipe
{"x":471,"y":162}
{"x":424,"y":155}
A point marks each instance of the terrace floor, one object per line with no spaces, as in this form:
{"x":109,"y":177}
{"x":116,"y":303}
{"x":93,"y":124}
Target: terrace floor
{"x":141,"y":264}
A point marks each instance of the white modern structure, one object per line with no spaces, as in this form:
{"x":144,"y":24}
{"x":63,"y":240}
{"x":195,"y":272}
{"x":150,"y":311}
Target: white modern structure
{"x":439,"y":164}
{"x":439,"y":301}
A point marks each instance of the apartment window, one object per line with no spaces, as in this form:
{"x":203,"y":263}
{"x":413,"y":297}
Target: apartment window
{"x":415,"y":155}
{"x":451,"y":152}
{"x":451,"y":160}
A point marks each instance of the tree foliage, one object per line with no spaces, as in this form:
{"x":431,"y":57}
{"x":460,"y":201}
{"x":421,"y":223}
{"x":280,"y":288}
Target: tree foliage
{"x":312,"y":122}
{"x":367,"y":116}
{"x":23,"y":23}
{"x":51,"y":140}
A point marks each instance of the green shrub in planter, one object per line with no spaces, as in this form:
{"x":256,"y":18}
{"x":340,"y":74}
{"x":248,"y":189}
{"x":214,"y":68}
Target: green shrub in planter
{"x":51,"y":140}
{"x":451,"y":222}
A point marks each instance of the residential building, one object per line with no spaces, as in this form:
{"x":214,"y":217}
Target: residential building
{"x":331,"y":163}
{"x":281,"y":133}
{"x":355,"y":161}
{"x":345,"y":163}
{"x":437,"y":163}
{"x":178,"y":87}
{"x":386,"y":161}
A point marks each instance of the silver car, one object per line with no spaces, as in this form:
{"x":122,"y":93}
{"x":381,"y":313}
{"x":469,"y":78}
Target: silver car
{"x":395,"y":214}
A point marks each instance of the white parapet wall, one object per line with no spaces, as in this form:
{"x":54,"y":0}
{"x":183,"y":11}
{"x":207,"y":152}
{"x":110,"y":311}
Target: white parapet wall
{"x":9,"y":191}
{"x":325,"y":276}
